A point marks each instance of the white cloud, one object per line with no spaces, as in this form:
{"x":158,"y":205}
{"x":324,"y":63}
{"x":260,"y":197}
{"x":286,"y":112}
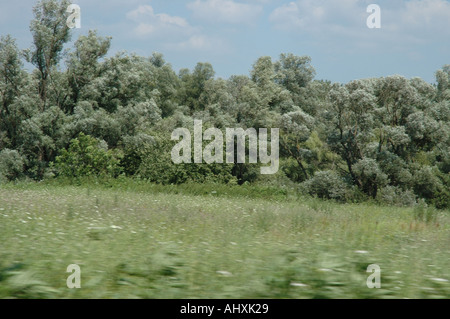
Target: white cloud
{"x":172,"y":32}
{"x":423,"y":18}
{"x":225,"y":11}
{"x":288,"y":17}
{"x":151,"y":24}
{"x":318,"y":15}
{"x":412,"y":22}
{"x":199,"y":43}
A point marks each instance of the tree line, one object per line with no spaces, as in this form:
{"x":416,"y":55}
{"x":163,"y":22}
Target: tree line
{"x":81,"y":113}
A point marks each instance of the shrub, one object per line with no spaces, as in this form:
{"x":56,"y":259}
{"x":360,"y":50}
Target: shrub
{"x":326,"y":184}
{"x":428,"y":185}
{"x":278,"y":180}
{"x":425,"y":182}
{"x":392,"y":195}
{"x":426,"y":214}
{"x":11,"y":164}
{"x":135,"y":149}
{"x":370,"y":176}
{"x":86,"y":156}
{"x":157,"y":166}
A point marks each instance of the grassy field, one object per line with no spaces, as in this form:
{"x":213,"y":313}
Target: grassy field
{"x":149,"y":241}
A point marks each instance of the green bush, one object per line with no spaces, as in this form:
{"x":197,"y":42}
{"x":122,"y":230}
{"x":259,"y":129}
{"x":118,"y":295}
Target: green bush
{"x":157,"y":166}
{"x":428,"y":185}
{"x":135,"y":149}
{"x":392,"y":195}
{"x":326,"y":184}
{"x":86,"y":157}
{"x":11,"y":164}
{"x":370,"y":176}
{"x":425,"y":214}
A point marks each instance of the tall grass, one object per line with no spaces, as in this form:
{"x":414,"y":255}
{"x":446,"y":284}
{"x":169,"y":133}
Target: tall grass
{"x":137,"y":240}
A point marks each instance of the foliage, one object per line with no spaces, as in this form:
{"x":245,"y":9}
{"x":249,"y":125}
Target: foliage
{"x":326,"y":184}
{"x":134,"y":239}
{"x":395,"y":196}
{"x":11,"y":164}
{"x":388,"y":135}
{"x":156,"y":166}
{"x":86,"y":156}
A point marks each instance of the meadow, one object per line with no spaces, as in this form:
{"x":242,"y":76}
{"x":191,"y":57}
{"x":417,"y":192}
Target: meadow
{"x":138,"y":240}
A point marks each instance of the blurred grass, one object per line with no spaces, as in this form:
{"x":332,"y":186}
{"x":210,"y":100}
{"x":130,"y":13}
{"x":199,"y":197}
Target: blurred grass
{"x":133,"y":239}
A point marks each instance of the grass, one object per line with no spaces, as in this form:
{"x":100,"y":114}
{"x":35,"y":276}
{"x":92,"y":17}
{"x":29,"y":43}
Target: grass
{"x":137,"y":240}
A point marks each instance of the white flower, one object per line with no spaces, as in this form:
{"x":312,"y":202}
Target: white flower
{"x":298,"y":284}
{"x":224,"y":273}
{"x":439,"y":279}
{"x":361,"y":251}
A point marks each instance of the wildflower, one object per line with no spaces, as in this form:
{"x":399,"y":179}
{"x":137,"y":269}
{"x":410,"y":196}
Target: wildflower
{"x":298,"y":284}
{"x":439,"y":279}
{"x":224,"y":273}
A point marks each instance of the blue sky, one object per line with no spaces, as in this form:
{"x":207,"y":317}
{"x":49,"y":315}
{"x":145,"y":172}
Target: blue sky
{"x":414,"y":39}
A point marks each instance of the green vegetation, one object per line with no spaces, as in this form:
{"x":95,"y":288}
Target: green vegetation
{"x":135,"y":240}
{"x":85,"y":157}
{"x":383,"y":138}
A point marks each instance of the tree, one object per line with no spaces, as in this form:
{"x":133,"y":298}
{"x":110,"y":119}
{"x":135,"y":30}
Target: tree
{"x":249,"y":110}
{"x":12,"y":80}
{"x":11,"y":164}
{"x":271,"y":95}
{"x":326,"y":184}
{"x":83,"y":64}
{"x":86,"y":156}
{"x":294,"y":72}
{"x":220,"y":105}
{"x":167,"y":83}
{"x":50,"y":33}
{"x":314,"y":99}
{"x":397,"y":99}
{"x":296,"y":130}
{"x":350,"y":122}
{"x":369,"y":176}
{"x":423,"y":130}
{"x":443,"y":79}
{"x":193,"y":85}
{"x":124,"y":79}
{"x":40,"y":138}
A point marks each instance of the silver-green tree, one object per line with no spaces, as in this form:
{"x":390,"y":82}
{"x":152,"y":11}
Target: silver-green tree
{"x":50,"y":33}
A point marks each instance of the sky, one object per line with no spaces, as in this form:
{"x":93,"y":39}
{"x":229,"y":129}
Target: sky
{"x":414,"y":38}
